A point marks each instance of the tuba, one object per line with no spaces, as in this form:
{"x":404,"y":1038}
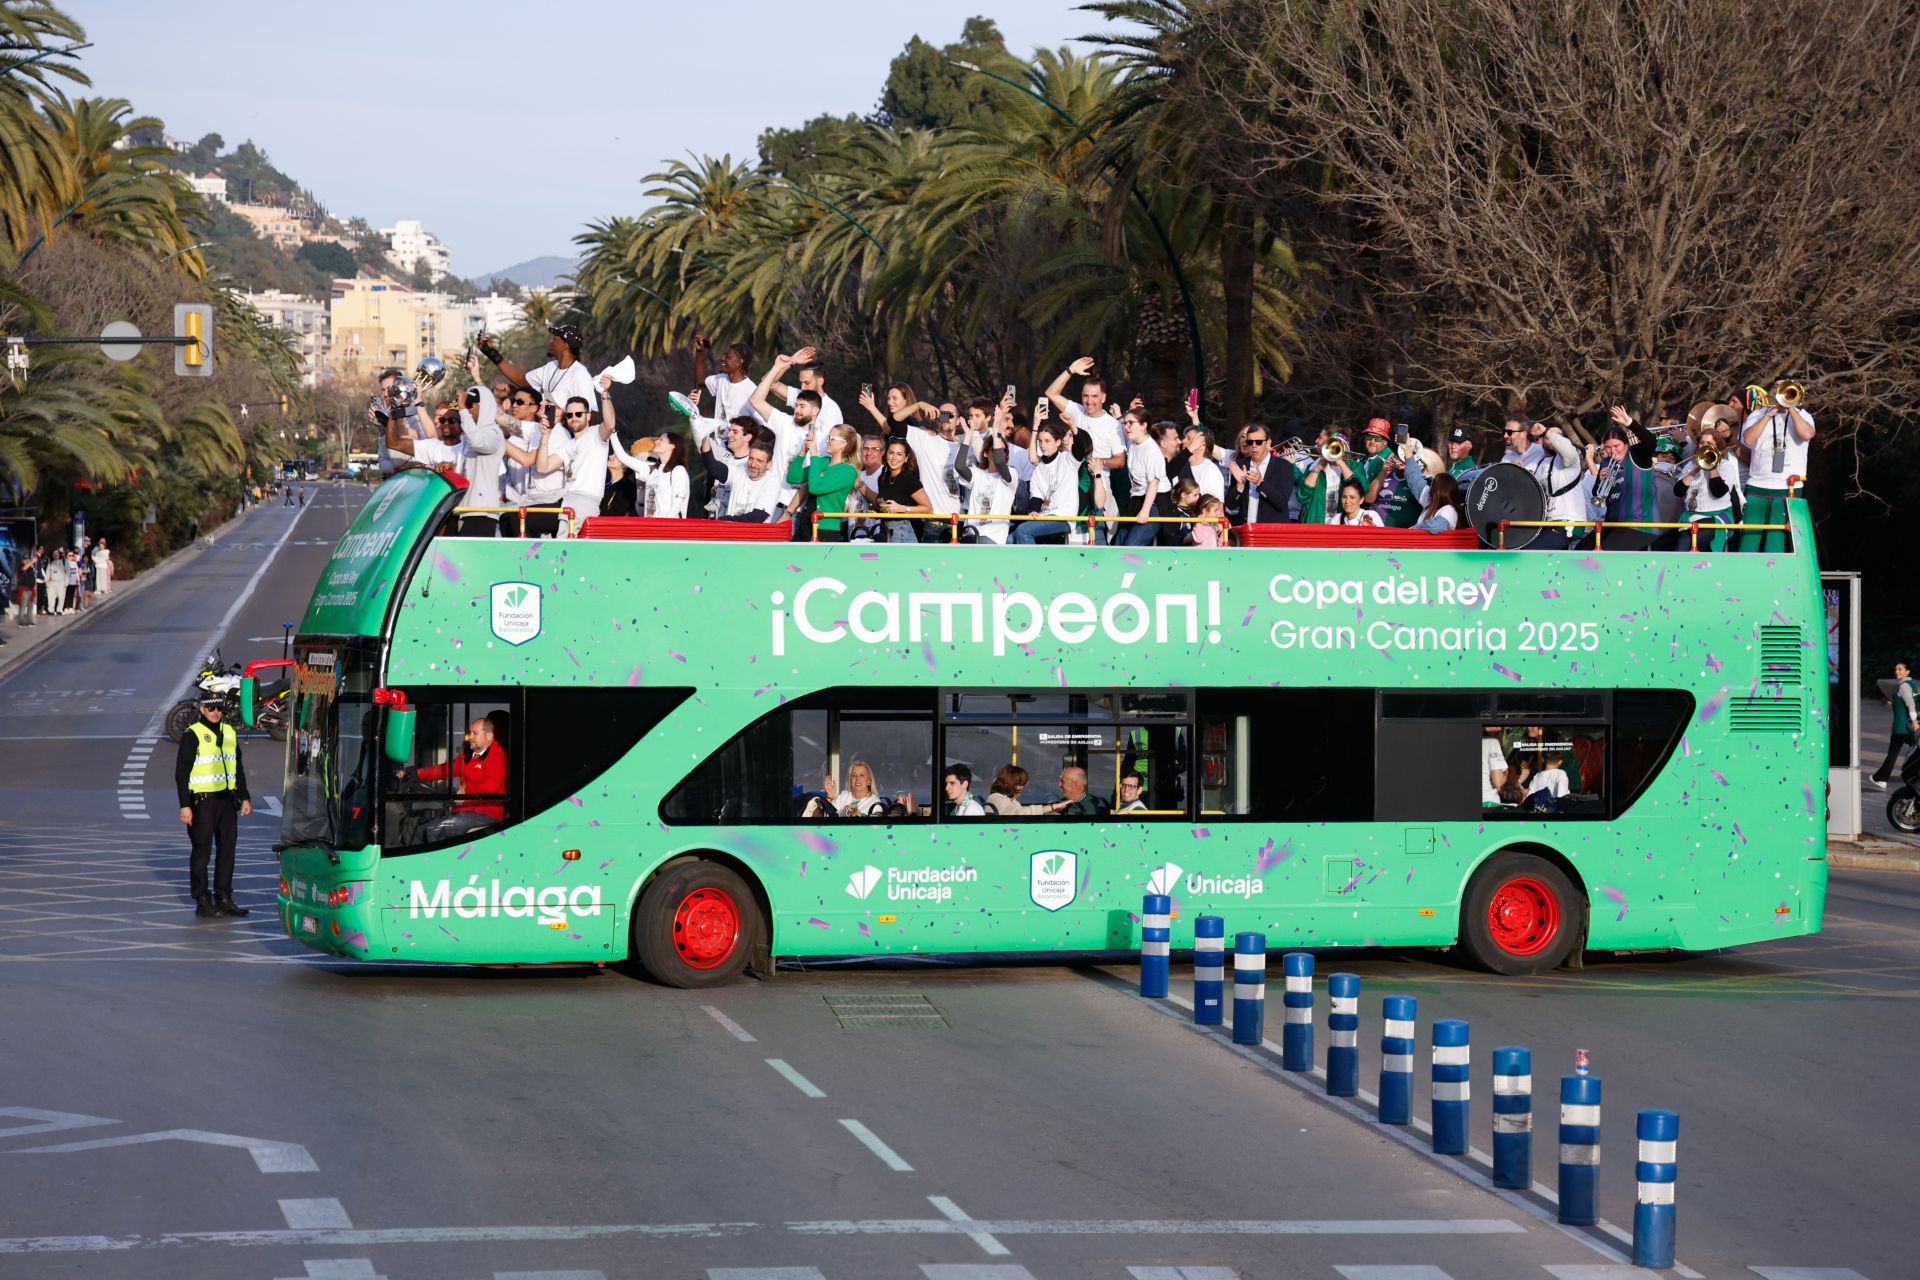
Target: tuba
{"x":1334,"y":449}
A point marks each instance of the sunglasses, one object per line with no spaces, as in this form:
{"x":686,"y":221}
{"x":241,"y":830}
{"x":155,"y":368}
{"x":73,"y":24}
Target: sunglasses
{"x":525,"y":404}
{"x":574,"y":413}
{"x":1256,"y":439}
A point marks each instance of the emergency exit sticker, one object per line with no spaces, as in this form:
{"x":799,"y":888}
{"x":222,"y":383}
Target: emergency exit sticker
{"x":515,"y":611}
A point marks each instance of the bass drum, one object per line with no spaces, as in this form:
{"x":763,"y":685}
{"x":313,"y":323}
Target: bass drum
{"x":1505,"y":491}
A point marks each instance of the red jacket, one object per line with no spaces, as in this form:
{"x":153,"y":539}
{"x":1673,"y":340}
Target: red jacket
{"x":481,"y":775}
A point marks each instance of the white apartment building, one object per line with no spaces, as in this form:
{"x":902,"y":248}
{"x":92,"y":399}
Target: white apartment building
{"x":210,"y":187}
{"x":306,"y":319}
{"x":408,"y":243}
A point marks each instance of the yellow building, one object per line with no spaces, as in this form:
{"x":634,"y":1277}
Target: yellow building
{"x":377,"y":324}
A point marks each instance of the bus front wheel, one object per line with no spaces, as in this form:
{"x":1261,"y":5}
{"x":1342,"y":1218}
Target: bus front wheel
{"x":695,"y":926}
{"x":1520,"y":916}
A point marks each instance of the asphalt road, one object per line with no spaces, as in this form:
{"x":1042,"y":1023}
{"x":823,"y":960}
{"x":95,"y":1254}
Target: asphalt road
{"x":203,"y":1098}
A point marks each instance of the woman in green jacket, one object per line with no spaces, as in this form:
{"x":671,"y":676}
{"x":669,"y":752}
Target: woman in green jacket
{"x":828,"y":479}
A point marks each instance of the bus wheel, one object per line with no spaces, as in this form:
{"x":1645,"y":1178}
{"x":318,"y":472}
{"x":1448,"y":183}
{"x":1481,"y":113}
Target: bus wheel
{"x":1520,"y":916}
{"x":695,"y":926}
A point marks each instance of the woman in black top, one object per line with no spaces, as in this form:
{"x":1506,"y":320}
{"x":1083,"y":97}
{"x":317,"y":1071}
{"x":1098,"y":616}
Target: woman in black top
{"x":897,"y":489}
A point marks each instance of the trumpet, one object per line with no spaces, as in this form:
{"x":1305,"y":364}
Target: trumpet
{"x":1787,"y":394}
{"x":1707,"y":455}
{"x":1334,"y":449}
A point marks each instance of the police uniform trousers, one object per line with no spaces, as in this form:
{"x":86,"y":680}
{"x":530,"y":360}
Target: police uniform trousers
{"x":216,"y":824}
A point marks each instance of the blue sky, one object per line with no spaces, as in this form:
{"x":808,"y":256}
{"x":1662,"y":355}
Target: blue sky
{"x":382,"y":107}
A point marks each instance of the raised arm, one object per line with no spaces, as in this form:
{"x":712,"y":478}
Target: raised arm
{"x":508,"y":369}
{"x":700,"y":359}
{"x":606,"y":406}
{"x":1057,"y":389}
{"x":399,"y":439}
{"x":762,"y":405}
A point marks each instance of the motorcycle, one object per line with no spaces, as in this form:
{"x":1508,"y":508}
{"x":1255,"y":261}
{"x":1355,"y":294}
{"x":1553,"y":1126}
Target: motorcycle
{"x":221,"y":679}
{"x":1903,"y":806}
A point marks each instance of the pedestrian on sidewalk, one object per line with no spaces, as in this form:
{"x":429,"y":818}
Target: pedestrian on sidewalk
{"x":1906,"y":722}
{"x":102,"y":569}
{"x":54,"y":580}
{"x":212,"y":782}
{"x":24,"y":590}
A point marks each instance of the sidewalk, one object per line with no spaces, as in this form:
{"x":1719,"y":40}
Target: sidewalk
{"x":1881,"y":846}
{"x":24,"y":642}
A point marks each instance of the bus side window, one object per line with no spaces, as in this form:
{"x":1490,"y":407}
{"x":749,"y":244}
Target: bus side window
{"x":1294,"y":755}
{"x":436,"y":798}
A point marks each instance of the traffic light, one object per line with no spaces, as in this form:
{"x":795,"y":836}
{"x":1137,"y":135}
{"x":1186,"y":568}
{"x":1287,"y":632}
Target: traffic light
{"x":193,"y":359}
{"x":283,"y":405}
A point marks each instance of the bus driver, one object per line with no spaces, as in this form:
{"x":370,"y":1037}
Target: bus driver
{"x":479,"y":770}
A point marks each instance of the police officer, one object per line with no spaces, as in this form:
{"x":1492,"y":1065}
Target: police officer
{"x":213,"y":796}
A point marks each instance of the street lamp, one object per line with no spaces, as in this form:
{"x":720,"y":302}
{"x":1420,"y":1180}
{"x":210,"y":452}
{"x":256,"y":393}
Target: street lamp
{"x":204,"y":244}
{"x":12,"y":67}
{"x":852,"y":221}
{"x":1166,"y":243}
{"x":91,"y":195}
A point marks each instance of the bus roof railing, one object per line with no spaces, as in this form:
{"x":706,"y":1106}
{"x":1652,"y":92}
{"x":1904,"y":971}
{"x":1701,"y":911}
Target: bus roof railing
{"x":1600,"y":527}
{"x":565,"y":512}
{"x":955,"y":519}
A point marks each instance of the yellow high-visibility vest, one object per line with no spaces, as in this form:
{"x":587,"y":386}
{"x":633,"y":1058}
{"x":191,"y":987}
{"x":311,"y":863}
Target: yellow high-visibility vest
{"x":216,"y":765}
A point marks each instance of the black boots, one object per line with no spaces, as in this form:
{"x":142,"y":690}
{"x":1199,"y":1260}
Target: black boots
{"x":228,"y":907}
{"x":203,"y":907}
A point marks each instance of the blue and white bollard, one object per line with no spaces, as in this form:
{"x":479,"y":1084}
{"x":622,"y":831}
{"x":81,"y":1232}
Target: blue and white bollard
{"x":1296,"y":1037}
{"x":1343,"y":1035}
{"x":1579,"y":1149}
{"x":1452,"y":1090}
{"x":1209,"y":971}
{"x":1396,"y":1059}
{"x":1156,"y":941}
{"x":1654,"y":1175}
{"x":1512,"y":1118}
{"x":1249,"y":987}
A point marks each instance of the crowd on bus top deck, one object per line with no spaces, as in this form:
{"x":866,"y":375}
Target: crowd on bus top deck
{"x":903,"y":470}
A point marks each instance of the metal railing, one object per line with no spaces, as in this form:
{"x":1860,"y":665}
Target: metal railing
{"x":956,"y":519}
{"x":1599,"y":528}
{"x":565,"y":512}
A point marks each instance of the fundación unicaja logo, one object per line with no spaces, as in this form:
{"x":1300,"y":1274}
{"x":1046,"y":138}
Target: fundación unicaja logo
{"x":860,"y":883}
{"x":515,"y":611}
{"x":1052,"y":878}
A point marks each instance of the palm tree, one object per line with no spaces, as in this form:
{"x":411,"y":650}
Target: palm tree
{"x":33,"y":170}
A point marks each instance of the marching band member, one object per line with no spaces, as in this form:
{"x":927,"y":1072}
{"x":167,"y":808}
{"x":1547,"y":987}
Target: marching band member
{"x":1562,"y":475}
{"x":1624,"y":481}
{"x":1709,"y":494}
{"x":1522,"y":446}
{"x":1777,"y":435}
{"x":1667,"y":459}
{"x":1460,"y":460}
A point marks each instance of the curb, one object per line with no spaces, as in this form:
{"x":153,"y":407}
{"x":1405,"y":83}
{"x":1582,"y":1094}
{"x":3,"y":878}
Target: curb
{"x":1876,"y":860}
{"x":23,"y":643}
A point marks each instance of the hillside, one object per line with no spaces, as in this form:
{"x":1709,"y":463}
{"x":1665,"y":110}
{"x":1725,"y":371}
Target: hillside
{"x":534,"y":273}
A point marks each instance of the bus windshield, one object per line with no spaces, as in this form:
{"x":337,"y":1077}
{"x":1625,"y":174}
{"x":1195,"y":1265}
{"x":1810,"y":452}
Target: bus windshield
{"x":330,"y":746}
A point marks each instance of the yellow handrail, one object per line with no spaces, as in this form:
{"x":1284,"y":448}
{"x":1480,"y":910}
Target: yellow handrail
{"x":1693,"y":539}
{"x":572,"y":529}
{"x":955,"y":519}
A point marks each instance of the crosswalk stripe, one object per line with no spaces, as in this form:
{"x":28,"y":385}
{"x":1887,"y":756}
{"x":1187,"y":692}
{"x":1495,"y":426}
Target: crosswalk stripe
{"x":1183,"y":1273}
{"x":761,"y":1273}
{"x":974,"y":1271}
{"x":1393,"y":1273}
{"x":1806,"y":1273}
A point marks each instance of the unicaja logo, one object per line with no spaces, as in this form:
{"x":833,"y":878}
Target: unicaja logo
{"x":860,"y":883}
{"x":1163,"y":879}
{"x":1050,"y":878}
{"x":515,"y":611}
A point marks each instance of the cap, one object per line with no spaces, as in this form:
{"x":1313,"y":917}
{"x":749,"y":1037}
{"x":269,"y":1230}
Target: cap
{"x":1380,"y":427}
{"x":1666,"y":444}
{"x":1459,"y":435}
{"x":569,"y":334}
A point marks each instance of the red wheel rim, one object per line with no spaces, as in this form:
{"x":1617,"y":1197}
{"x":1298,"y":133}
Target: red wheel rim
{"x":1523,"y":917}
{"x":706,"y":928}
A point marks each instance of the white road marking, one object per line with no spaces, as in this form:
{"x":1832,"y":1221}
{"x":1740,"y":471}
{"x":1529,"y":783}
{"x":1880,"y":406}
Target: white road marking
{"x":1803,"y":1273}
{"x":953,"y":1211}
{"x":737,"y":1031}
{"x":871,"y":1142}
{"x":1166,"y":1227}
{"x":339,"y":1269}
{"x":794,"y":1078}
{"x":974,"y":1271}
{"x":269,"y":1156}
{"x":1395,"y":1273}
{"x":301,"y":1214}
{"x":361,"y":1237}
{"x":269,"y":805}
{"x":47,"y":1121}
{"x":549,"y":1275}
{"x":760,"y":1273}
{"x":1185,"y":1273}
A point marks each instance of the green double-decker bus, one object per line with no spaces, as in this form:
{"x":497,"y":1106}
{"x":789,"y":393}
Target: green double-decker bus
{"x":702,"y":755}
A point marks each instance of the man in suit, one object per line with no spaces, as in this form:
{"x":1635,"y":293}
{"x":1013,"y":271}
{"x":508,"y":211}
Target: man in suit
{"x":1262,"y":486}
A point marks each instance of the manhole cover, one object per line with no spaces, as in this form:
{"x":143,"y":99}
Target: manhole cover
{"x":858,"y":1013}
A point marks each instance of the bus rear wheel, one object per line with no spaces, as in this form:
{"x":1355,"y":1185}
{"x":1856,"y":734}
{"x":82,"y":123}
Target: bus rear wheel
{"x":1520,"y":915}
{"x":695,"y":926}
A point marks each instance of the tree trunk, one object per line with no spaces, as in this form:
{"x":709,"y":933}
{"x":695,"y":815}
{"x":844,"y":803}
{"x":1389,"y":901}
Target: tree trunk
{"x":1236,"y":276}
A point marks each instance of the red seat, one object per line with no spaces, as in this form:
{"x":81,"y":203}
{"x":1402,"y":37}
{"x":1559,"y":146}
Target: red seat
{"x":1339,"y":535}
{"x":648,"y":529}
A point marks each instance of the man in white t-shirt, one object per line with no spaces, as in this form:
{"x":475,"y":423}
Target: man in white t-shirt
{"x":1103,"y":429}
{"x":1493,"y":766}
{"x":730,"y":391}
{"x":391,"y":460}
{"x":829,"y":417}
{"x":561,"y":378}
{"x":1776,"y":437}
{"x":1522,"y":446}
{"x":791,"y":431}
{"x":1146,"y":480}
